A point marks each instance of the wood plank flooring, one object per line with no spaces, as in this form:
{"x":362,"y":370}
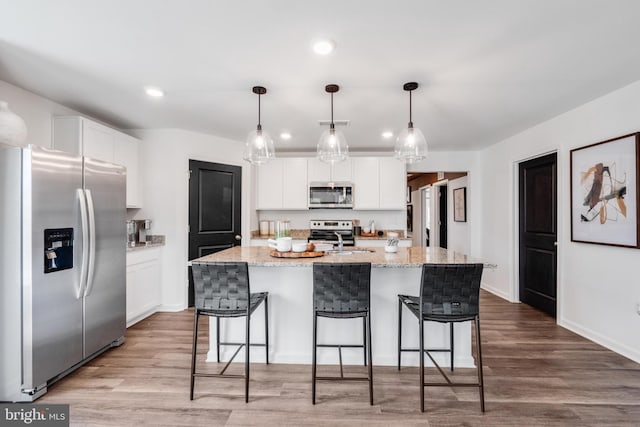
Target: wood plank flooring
{"x":536,"y":374}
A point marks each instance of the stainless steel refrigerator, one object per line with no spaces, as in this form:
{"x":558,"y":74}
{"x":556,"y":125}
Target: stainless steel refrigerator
{"x":62,"y":266}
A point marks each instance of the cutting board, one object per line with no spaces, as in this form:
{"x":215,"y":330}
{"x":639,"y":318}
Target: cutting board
{"x":311,"y":254}
{"x":368,"y":235}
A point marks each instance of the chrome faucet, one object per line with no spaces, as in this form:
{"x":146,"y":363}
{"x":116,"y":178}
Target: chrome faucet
{"x":340,"y":242}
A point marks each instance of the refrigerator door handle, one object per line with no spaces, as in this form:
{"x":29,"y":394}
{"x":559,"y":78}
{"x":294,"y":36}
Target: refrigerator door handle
{"x":85,"y":243}
{"x":92,"y":242}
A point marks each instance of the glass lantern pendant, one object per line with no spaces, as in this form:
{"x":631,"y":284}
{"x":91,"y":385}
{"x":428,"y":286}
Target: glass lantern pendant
{"x":411,"y":146}
{"x":259,"y":146}
{"x":332,"y":146}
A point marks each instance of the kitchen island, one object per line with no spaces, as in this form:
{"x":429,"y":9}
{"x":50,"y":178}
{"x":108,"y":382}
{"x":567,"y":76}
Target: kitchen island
{"x":290,"y":284}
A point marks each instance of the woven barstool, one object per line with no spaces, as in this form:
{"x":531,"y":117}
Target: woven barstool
{"x":342,"y":291}
{"x":222,"y":290}
{"x":449,"y":293}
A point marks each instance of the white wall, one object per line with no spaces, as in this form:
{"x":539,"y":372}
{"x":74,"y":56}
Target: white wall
{"x":598,"y":286}
{"x":458,"y":238}
{"x":35,"y":110}
{"x":165,"y":155}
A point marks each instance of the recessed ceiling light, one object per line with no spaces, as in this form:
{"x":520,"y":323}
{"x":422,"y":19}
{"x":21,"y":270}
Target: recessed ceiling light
{"x":285,"y":135}
{"x":387,"y":134}
{"x":153,"y":91}
{"x":323,"y":46}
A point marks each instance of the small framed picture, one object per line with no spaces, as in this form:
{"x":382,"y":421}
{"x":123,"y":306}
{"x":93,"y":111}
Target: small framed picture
{"x":408,"y":194}
{"x":409,"y":218}
{"x":460,"y":204}
{"x":604,"y":192}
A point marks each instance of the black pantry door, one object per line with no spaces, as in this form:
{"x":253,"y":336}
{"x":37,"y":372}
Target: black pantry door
{"x":442,"y":194}
{"x":538,"y":233}
{"x":214,"y":210}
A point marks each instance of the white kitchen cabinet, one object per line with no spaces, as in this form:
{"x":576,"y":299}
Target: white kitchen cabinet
{"x":84,"y":137}
{"x":319,"y":171}
{"x":379,"y":183}
{"x":143,"y":284}
{"x":366,"y":183}
{"x":282,"y":184}
{"x":294,"y":184}
{"x":393,"y":183}
{"x":126,"y":154}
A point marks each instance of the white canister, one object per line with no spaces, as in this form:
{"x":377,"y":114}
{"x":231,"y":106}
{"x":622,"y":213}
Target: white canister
{"x":264,"y":228}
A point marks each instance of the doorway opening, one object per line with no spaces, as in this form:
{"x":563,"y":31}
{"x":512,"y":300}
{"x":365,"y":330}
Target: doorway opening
{"x":431,"y":207}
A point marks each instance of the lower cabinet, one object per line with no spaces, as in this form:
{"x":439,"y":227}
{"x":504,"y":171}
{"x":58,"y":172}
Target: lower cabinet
{"x":143,"y":284}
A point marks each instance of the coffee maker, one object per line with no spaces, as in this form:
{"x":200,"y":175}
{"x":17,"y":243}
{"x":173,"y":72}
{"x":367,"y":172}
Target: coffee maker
{"x":137,"y":231}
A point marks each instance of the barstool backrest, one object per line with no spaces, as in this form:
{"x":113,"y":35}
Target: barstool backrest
{"x":341,"y":287}
{"x":450,"y":289}
{"x":221,"y":285}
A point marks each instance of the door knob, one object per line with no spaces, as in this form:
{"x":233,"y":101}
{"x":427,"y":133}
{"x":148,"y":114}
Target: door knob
{"x":555,"y":243}
{"x":238,"y":237}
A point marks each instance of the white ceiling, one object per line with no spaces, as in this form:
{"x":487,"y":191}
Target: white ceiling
{"x":487,"y":69}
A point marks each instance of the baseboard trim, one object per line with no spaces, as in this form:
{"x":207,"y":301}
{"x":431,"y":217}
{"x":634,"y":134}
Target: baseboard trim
{"x":171,"y":307}
{"x":141,"y":316}
{"x":497,"y":292}
{"x":601,"y":339}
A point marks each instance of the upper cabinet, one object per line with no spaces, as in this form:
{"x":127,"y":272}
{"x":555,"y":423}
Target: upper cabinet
{"x":319,"y":171}
{"x":379,"y":183}
{"x":282,"y":184}
{"x":84,"y":137}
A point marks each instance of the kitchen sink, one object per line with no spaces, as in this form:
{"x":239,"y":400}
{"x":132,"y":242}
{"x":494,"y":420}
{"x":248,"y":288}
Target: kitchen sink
{"x":349,"y":251}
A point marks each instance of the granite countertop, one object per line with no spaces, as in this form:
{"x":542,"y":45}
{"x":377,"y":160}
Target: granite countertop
{"x":152,"y":242}
{"x":404,"y":258}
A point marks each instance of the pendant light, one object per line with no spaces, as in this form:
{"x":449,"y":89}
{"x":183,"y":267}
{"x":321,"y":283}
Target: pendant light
{"x":259,"y":146}
{"x":410,"y":146}
{"x":332,"y":146}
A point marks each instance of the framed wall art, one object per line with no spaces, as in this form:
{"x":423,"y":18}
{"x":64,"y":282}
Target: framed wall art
{"x":604,"y":192}
{"x":460,"y":204}
{"x":409,"y":218}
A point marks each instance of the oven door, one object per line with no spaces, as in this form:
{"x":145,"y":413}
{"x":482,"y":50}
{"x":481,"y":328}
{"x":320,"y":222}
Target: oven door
{"x":323,"y":196}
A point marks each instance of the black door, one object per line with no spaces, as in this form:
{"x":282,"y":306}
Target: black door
{"x":538,"y":233}
{"x":214,"y":209}
{"x":442,"y":194}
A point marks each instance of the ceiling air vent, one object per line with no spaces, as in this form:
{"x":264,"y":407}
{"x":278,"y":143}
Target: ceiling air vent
{"x":335,"y":122}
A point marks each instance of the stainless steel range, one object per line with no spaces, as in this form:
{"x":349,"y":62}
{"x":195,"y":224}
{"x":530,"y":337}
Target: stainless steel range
{"x":332,"y":231}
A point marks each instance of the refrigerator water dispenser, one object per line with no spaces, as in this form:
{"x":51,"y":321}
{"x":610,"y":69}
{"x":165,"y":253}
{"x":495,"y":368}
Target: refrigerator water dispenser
{"x":58,"y":249}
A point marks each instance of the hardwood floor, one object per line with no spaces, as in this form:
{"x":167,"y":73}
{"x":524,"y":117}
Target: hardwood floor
{"x":536,"y":374}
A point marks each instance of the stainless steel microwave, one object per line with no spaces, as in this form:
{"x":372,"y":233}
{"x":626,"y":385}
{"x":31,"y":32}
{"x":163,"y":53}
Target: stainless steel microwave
{"x":330,"y":195}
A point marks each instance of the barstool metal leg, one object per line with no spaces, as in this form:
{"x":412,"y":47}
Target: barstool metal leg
{"x":370,"y":345}
{"x":451,"y":343}
{"x":218,"y":338}
{"x":480,"y":376}
{"x":421,"y":362}
{"x":313,"y":357}
{"x":266,"y":328}
{"x":246,"y":362}
{"x":364,"y":339}
{"x":193,"y":352}
{"x":399,"y":332}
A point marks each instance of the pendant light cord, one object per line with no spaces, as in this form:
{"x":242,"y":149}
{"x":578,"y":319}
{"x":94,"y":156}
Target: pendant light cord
{"x":259,"y":125}
{"x":410,"y":111}
{"x":332,"y":126}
